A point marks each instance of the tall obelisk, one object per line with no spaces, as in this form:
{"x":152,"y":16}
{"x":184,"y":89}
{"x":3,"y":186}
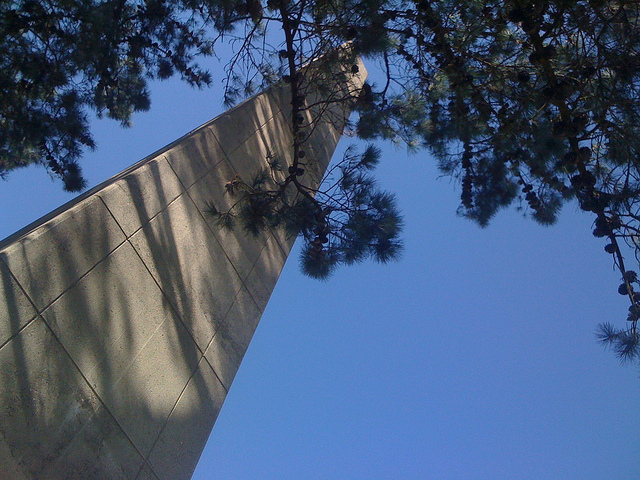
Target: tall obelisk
{"x":124,"y":314}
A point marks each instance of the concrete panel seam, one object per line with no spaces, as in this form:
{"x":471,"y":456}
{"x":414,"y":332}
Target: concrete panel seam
{"x":186,"y":187}
{"x":202,"y":216}
{"x":167,"y":299}
{"x":72,"y":284}
{"x":97,"y":395}
{"x":28,"y":298}
{"x":114,"y":218}
{"x":213,"y":339}
{"x":106,"y":407}
{"x":166,"y":421}
{"x":20,"y":330}
{"x":127,"y":237}
{"x":226,"y":390}
{"x":257,"y":129}
{"x":280,"y":246}
{"x":146,"y":463}
{"x":148,"y":220}
{"x":164,"y":294}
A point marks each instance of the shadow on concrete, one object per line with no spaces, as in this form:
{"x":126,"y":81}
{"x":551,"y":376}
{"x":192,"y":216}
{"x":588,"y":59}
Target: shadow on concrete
{"x":126,"y":313}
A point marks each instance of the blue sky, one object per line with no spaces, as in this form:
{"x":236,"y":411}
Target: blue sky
{"x":473,"y":357}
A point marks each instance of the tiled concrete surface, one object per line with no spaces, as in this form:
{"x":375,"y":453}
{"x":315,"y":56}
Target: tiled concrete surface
{"x":187,"y":429}
{"x":49,"y":259}
{"x":53,"y":424}
{"x":125,"y":315}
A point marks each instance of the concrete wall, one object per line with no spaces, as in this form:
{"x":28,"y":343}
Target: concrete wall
{"x":124,"y":314}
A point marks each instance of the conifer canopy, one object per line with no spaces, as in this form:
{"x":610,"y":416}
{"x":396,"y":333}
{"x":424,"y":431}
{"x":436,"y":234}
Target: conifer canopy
{"x":532,"y":103}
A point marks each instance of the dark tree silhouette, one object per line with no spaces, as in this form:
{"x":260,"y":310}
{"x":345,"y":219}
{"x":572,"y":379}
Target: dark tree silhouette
{"x":528,"y":102}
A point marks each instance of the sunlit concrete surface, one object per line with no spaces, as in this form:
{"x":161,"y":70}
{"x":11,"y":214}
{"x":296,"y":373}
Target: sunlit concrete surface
{"x":125,"y":314}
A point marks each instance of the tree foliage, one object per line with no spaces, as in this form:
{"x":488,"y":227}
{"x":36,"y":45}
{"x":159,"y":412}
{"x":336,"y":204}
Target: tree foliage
{"x":347,"y":218}
{"x":62,"y":57}
{"x":532,"y":103}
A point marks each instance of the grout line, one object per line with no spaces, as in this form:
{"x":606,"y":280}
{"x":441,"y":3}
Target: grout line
{"x":202,"y":361}
{"x":28,"y":297}
{"x":95,"y":393}
{"x":166,"y":421}
{"x":170,"y":302}
{"x":77,"y":280}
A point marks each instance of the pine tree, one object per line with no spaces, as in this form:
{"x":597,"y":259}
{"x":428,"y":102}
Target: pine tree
{"x":528,"y":102}
{"x":60,"y":58}
{"x":535,"y":102}
{"x":347,"y":219}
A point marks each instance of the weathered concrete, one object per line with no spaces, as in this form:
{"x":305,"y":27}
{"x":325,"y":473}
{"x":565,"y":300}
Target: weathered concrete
{"x":125,"y":314}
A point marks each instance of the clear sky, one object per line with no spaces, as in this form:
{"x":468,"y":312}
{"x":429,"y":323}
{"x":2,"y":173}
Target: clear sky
{"x":473,"y":357}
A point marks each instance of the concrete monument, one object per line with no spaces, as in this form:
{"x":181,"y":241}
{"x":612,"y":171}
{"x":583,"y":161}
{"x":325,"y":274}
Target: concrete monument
{"x":124,"y":314}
